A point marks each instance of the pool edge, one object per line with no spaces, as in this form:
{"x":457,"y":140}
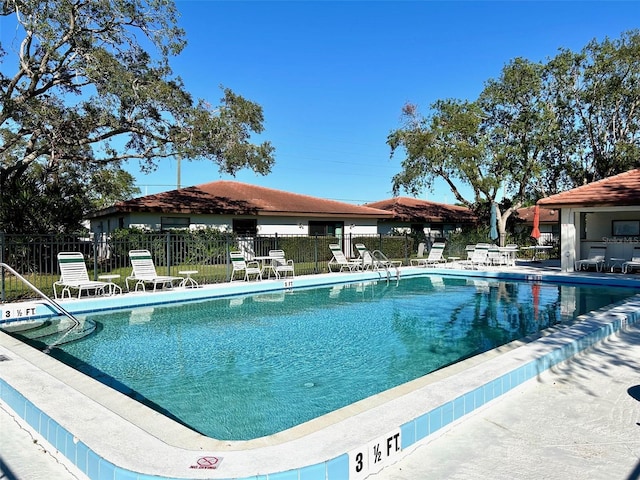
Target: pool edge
{"x":525,"y":364}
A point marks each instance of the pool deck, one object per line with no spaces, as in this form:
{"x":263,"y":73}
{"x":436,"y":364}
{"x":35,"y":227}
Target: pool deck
{"x":579,"y":416}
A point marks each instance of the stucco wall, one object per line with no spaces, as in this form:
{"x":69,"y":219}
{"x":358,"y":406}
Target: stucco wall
{"x":266,"y":225}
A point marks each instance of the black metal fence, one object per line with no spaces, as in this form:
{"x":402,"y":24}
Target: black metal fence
{"x":35,"y":256}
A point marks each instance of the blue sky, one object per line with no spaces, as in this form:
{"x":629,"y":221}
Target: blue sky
{"x":332,"y":76}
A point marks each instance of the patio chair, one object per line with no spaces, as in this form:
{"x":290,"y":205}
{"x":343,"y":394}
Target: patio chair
{"x":74,"y":276}
{"x":634,"y":263}
{"x":596,"y":258}
{"x":376,"y":260}
{"x":340,"y":260}
{"x":494,"y":257}
{"x":239,"y":264}
{"x":434,"y":258}
{"x":144,"y":272}
{"x":478,"y":258}
{"x":280,"y":265}
{"x":469,"y":251}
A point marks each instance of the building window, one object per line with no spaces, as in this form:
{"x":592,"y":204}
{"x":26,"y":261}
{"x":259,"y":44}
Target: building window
{"x":167,"y":223}
{"x":245,"y":227}
{"x":325,"y":229}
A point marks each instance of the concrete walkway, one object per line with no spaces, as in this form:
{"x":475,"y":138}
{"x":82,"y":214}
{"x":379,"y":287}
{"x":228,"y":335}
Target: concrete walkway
{"x":579,"y":420}
{"x":22,"y":457}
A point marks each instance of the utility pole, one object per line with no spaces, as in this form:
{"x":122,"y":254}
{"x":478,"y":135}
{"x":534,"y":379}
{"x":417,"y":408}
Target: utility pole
{"x":179,"y":162}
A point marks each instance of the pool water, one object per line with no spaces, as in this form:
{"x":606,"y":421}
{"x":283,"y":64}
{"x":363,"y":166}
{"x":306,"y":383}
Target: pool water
{"x":244,"y":367}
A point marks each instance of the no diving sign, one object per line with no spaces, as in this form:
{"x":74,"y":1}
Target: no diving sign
{"x":207,"y":463}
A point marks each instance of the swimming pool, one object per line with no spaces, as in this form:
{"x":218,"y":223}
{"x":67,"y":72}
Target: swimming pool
{"x":245,"y":367}
{"x":105,"y":434}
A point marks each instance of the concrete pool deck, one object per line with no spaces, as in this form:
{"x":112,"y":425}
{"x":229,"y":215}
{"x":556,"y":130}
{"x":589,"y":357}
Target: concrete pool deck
{"x":21,"y":454}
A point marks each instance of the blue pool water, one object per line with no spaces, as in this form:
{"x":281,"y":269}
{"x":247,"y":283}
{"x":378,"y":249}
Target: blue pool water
{"x":245,"y":367}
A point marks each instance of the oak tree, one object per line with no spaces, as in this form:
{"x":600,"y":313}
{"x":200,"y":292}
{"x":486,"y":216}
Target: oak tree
{"x":86,"y":85}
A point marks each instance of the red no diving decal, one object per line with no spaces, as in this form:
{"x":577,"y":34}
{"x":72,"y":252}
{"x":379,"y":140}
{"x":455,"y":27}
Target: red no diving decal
{"x":210,"y":463}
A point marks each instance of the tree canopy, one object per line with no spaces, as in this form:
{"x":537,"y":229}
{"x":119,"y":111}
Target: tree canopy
{"x":87,"y":85}
{"x":538,"y":129}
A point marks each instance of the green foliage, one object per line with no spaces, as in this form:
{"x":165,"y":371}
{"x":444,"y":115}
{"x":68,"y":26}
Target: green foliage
{"x":457,"y":242}
{"x":303,"y":248}
{"x":44,"y":201}
{"x":86,"y":96}
{"x":390,"y":246}
{"x":207,"y":246}
{"x":109,"y":185}
{"x":595,"y":100}
{"x":536,"y":130}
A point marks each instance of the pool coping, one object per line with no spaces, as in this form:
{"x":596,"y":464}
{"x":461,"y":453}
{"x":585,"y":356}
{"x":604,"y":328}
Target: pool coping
{"x":115,"y":437}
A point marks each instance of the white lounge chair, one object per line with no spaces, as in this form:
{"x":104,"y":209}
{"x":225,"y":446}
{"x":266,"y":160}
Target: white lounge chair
{"x":280,"y":265}
{"x":469,"y":251}
{"x":144,"y":271}
{"x":634,"y":263}
{"x":375,"y":260}
{"x":74,"y":276}
{"x":596,"y":258}
{"x":340,"y":261}
{"x":478,"y":258}
{"x":434,"y":258}
{"x":239,"y":264}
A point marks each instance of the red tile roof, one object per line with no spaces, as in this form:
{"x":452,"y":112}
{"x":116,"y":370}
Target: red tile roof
{"x":236,"y":198}
{"x":619,"y":190}
{"x":415,"y":210}
{"x":547,"y":215}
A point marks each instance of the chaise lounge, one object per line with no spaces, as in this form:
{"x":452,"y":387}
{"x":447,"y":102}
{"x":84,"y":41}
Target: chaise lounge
{"x":596,"y":258}
{"x":74,"y":276}
{"x":434,"y":258}
{"x":340,"y":260}
{"x":144,"y":272}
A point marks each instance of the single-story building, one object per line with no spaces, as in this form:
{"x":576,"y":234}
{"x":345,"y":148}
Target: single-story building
{"x":434,"y":219}
{"x":606,"y":212}
{"x":244,"y":209}
{"x":549,"y":223}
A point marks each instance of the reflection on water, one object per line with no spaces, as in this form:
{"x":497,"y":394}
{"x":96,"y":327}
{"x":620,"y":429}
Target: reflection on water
{"x":248,"y":366}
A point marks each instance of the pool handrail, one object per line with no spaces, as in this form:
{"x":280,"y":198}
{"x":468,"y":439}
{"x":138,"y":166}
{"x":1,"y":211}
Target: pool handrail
{"x":49,"y":300}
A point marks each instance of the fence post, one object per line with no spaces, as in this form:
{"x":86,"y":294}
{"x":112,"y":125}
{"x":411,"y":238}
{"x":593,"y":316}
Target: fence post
{"x":95,"y":257}
{"x":2,"y":285}
{"x":406,"y":248}
{"x":168,"y":252}
{"x":315,"y":253}
{"x":226,"y":256}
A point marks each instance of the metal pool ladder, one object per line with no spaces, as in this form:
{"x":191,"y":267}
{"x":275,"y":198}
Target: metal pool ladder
{"x":381,"y":259}
{"x":52,"y":302}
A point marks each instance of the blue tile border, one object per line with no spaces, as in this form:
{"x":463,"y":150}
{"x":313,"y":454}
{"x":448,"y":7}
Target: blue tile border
{"x":493,"y":389}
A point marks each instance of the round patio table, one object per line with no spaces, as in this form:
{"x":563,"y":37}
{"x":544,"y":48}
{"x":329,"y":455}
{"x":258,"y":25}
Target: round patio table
{"x":188,"y":280}
{"x":111,"y":288}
